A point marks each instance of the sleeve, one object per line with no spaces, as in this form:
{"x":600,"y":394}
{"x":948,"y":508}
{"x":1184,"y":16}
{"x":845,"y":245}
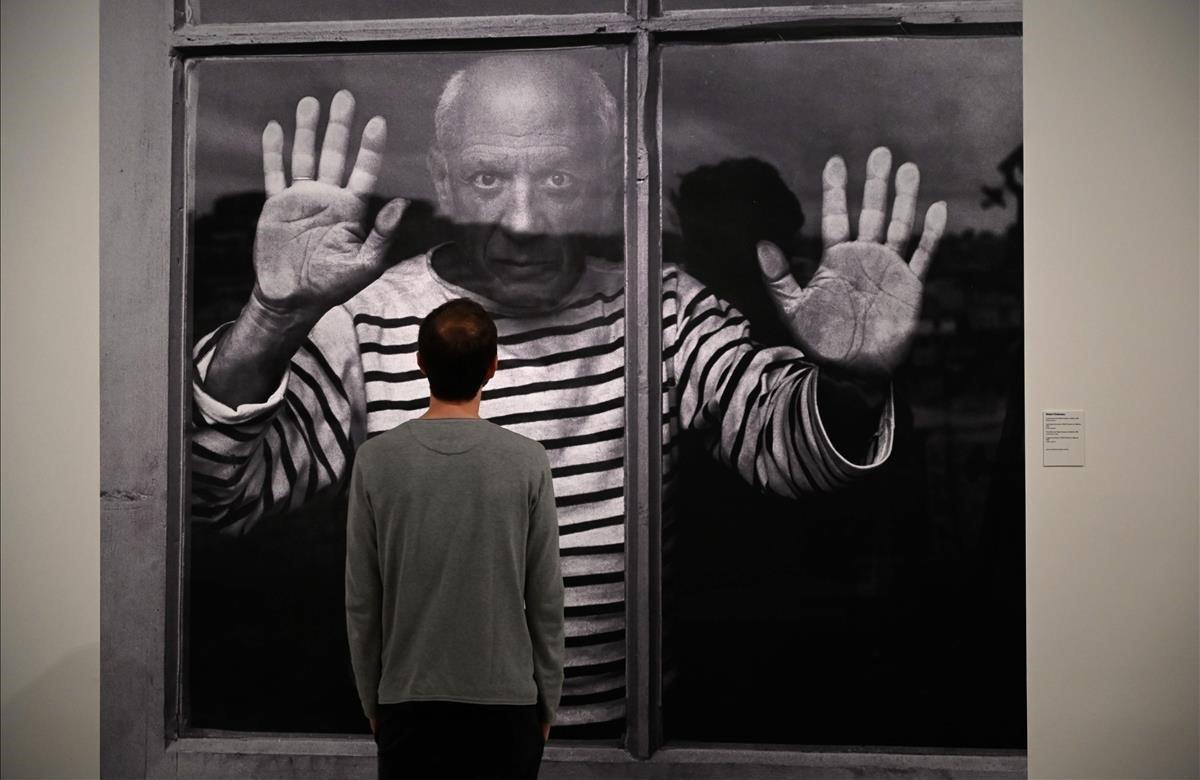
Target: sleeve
{"x":758,"y":403}
{"x":364,"y":593}
{"x":273,"y":457}
{"x":544,"y":596}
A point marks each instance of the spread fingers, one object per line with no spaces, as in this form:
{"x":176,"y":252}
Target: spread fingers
{"x":904,"y":209}
{"x":935,"y":225}
{"x":308,"y":111}
{"x":870,"y":221}
{"x":337,"y":136}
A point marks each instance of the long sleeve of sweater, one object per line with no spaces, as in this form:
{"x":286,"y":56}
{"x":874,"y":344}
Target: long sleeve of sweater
{"x":364,"y":593}
{"x":544,"y":598}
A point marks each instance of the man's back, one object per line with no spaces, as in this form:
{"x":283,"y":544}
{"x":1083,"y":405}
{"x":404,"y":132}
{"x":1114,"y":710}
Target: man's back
{"x":453,"y":539}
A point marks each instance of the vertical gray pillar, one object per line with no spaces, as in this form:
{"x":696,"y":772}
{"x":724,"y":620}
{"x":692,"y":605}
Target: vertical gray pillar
{"x":135,"y":302}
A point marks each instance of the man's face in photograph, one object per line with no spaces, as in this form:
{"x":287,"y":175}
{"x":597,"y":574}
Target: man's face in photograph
{"x":520,"y":170}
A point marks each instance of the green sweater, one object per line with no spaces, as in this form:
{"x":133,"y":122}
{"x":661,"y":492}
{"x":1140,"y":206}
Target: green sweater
{"x":453,"y":586}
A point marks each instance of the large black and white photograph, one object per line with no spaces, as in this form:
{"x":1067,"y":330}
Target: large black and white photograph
{"x":836,"y":249}
{"x":510,"y":170}
{"x":872,"y":594}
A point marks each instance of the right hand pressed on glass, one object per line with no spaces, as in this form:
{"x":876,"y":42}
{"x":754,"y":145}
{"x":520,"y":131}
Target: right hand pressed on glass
{"x":311,"y":251}
{"x":859,"y":311}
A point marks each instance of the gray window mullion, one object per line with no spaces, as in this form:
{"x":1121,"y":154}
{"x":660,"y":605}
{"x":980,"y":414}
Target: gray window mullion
{"x":643,"y":360}
{"x":442,"y":31}
{"x":178,"y":582}
{"x":946,"y":17}
{"x":652,"y":135}
{"x":676,"y":17}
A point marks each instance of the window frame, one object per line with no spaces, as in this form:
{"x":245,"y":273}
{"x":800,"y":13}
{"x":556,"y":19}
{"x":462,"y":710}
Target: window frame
{"x":149,"y":50}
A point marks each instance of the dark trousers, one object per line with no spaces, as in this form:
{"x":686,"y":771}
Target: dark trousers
{"x":426,"y":739}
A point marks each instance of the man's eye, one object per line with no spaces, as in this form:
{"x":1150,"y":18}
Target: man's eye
{"x":560,"y":181}
{"x":486,"y":181}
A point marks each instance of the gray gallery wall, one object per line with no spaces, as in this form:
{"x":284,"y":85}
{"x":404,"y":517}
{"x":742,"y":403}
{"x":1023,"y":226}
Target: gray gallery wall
{"x":1112,"y":321}
{"x":49,"y":389}
{"x":1111,"y":263}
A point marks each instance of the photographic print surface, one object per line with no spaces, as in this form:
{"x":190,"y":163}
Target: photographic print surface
{"x":888,"y":610}
{"x":822,"y":583}
{"x":518,"y":210}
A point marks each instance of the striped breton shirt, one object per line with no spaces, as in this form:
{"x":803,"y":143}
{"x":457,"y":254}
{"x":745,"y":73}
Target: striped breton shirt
{"x":561,"y":382}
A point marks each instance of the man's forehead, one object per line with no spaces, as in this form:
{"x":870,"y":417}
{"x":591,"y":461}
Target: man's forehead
{"x":530,"y":74}
{"x":536,"y":145}
{"x":522,"y":109}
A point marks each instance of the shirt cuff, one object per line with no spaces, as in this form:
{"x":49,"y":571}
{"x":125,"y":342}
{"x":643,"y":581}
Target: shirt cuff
{"x":213,"y":411}
{"x":545,"y":712}
{"x":880,"y":448}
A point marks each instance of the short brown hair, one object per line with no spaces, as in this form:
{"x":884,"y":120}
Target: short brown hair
{"x":457,"y":343}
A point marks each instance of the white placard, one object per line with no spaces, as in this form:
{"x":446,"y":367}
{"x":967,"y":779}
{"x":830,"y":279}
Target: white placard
{"x":1062,"y":437}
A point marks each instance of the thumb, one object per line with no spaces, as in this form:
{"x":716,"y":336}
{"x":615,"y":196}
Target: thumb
{"x":374,"y":249}
{"x":782,"y":286}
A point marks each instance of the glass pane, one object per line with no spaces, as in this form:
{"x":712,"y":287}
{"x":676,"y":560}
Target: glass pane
{"x":672,"y":5}
{"x":515,"y":201}
{"x":227,"y":11}
{"x":808,"y":601}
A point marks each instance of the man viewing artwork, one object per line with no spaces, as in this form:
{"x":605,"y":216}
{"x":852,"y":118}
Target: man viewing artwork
{"x":454,"y":595}
{"x":526,"y":162}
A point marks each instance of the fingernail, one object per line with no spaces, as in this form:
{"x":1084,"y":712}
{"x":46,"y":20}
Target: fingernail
{"x":835,"y":171}
{"x":770,"y":259}
{"x":880,"y":160}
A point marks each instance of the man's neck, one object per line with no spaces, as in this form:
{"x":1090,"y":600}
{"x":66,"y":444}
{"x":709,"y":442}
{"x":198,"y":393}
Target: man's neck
{"x":440,"y":409}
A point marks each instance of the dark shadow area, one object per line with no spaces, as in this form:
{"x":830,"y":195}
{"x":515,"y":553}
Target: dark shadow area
{"x":267,"y":640}
{"x":723,"y":211}
{"x":891,"y":613}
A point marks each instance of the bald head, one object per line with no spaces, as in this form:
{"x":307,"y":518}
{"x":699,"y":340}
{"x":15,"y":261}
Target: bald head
{"x":526,"y":165}
{"x":524,"y":93}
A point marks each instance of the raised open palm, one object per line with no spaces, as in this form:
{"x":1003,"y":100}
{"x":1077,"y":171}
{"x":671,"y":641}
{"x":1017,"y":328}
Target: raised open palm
{"x":860,"y":310}
{"x":311,"y":251}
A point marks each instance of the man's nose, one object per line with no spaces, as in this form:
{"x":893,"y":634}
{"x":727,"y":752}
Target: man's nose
{"x":522,"y":218}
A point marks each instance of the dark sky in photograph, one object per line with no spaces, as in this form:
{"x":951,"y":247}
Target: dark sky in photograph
{"x":951,"y":106}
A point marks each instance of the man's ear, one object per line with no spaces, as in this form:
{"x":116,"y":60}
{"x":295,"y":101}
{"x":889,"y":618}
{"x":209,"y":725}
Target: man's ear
{"x":439,"y":174}
{"x":421,"y":364}
{"x":491,"y":369}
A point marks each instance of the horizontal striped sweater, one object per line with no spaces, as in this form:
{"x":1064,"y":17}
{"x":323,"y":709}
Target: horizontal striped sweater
{"x":561,"y":381}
